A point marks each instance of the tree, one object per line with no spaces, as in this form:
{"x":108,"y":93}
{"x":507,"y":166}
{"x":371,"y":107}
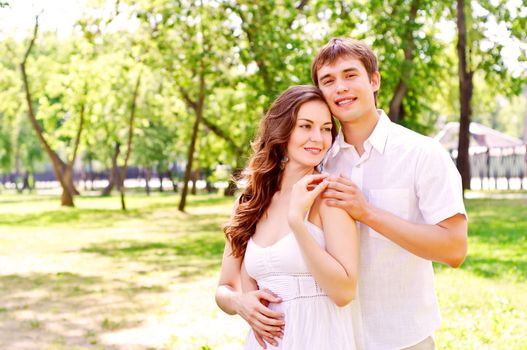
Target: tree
{"x":194,"y":33}
{"x":465,"y":96}
{"x":479,"y":51}
{"x":63,"y":171}
{"x":133,"y":106}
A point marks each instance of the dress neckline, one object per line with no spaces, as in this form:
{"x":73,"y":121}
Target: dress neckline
{"x":288,"y":234}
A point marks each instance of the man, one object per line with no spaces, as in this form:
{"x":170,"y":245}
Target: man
{"x":404,"y":191}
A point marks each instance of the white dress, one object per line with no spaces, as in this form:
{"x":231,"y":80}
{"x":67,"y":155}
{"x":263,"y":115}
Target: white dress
{"x":312,"y":320}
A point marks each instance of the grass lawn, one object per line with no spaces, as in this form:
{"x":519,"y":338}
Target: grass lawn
{"x":94,"y":277}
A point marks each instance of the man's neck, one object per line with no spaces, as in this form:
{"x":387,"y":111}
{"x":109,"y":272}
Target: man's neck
{"x":357,"y":132}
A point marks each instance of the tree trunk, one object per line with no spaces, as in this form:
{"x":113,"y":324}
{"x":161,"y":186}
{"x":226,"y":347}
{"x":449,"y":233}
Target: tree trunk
{"x":190,"y":159}
{"x":147,"y":172}
{"x":25,"y":182}
{"x":19,"y":189}
{"x":160,"y":175}
{"x":525,"y":135}
{"x":67,"y":195}
{"x":57,"y":163}
{"x":195,"y":176}
{"x":114,"y":173}
{"x":90,"y":175}
{"x":402,"y":86}
{"x":465,"y":96}
{"x":198,"y":109}
{"x":525,"y":117}
{"x":130,"y":138}
{"x":71,"y":163}
{"x":171,"y":178}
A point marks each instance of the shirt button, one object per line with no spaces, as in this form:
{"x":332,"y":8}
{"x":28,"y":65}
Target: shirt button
{"x":357,"y":166}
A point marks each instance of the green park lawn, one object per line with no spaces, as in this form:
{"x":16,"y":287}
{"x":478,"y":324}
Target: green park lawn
{"x":94,"y":277}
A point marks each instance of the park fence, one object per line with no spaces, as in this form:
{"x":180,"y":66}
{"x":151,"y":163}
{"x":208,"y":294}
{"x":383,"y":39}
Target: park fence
{"x":502,"y":168}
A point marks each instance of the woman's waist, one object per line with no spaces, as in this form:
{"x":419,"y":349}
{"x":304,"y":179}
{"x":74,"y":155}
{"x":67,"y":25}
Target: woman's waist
{"x":291,"y":286}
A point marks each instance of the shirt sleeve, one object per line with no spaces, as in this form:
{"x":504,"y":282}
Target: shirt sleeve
{"x":438,"y":184}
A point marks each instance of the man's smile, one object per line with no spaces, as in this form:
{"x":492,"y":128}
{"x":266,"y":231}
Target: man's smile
{"x":345,"y":101}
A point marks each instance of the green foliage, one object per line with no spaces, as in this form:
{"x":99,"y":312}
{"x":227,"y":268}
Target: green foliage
{"x":248,"y":52}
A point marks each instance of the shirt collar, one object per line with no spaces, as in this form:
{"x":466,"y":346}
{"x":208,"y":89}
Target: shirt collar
{"x":377,"y":139}
{"x":379,"y":136}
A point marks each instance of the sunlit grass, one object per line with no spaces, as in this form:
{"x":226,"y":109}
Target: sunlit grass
{"x":484,"y":303}
{"x":95,"y":277}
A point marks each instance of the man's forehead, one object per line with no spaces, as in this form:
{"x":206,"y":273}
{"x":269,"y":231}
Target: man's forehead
{"x":343,"y":63}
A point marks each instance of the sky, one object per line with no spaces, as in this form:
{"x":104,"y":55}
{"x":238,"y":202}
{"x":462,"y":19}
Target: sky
{"x":60,"y":15}
{"x":19,"y":17}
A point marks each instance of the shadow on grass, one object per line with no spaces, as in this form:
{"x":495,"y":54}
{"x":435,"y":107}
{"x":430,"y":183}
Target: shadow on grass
{"x":80,"y":217}
{"x":191,"y":255}
{"x":25,"y":198}
{"x":200,"y":201}
{"x":204,"y":223}
{"x":492,"y":268}
{"x":497,"y":240}
{"x":69,"y":308}
{"x":105,"y":217}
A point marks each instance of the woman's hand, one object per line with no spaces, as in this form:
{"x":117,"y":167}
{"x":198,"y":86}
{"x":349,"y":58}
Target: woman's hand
{"x":267,"y":324}
{"x":303,"y":195}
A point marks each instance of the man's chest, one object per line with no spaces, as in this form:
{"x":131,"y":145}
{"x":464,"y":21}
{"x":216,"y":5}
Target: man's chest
{"x":387,"y":183}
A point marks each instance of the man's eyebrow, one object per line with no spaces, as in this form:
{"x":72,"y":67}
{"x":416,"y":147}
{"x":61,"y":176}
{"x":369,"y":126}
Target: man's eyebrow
{"x":346,"y":70}
{"x":351,"y":69}
{"x":324,"y":77}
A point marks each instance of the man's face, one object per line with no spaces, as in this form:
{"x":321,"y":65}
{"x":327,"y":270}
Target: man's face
{"x":348,"y":89}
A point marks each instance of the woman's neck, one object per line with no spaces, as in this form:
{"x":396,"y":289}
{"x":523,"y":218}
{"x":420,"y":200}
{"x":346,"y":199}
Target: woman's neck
{"x":293,"y":173}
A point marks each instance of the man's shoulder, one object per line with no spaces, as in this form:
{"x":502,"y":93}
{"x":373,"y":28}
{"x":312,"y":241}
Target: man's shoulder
{"x":410,"y":139}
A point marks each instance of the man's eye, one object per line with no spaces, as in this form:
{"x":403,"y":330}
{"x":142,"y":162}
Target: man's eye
{"x":327,"y":82}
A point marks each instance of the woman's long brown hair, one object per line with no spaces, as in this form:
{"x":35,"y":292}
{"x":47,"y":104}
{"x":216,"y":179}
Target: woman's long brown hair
{"x":263,"y":174}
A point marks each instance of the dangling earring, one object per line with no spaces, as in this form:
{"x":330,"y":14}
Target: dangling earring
{"x":283,"y":161}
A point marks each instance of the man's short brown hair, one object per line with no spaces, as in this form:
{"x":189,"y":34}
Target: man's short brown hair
{"x":344,"y":47}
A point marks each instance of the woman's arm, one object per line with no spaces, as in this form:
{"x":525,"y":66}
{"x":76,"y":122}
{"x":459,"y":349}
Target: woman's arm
{"x":250,"y":305}
{"x":335,"y":269}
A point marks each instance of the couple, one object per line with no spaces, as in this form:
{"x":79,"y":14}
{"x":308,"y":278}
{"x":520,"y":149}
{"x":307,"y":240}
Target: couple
{"x":291,"y":262}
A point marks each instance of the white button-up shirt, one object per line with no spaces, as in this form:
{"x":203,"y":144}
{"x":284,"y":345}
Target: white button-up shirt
{"x":413,"y":177}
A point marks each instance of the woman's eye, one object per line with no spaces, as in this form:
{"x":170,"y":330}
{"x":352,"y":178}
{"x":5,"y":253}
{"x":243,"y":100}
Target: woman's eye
{"x":305,"y":126}
{"x":327,"y":129}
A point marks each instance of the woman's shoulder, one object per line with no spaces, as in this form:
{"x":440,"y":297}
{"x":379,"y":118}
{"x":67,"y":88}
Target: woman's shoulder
{"x":327,"y":212}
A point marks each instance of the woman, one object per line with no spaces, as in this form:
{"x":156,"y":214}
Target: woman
{"x":284,"y":245}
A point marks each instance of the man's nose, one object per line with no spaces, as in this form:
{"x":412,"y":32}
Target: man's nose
{"x":341,"y":86}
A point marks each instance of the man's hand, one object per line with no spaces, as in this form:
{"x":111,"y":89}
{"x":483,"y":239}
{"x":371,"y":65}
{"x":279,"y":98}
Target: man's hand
{"x":266,"y":323}
{"x":343,"y":193}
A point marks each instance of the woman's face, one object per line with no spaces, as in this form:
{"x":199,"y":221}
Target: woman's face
{"x":311,"y":137}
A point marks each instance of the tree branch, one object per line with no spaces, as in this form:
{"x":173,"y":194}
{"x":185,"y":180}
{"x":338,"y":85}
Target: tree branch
{"x":32,"y":42}
{"x":187,"y":98}
{"x":78,"y":136}
{"x":223,"y":135}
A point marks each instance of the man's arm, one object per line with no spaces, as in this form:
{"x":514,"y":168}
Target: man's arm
{"x":444,"y":242}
